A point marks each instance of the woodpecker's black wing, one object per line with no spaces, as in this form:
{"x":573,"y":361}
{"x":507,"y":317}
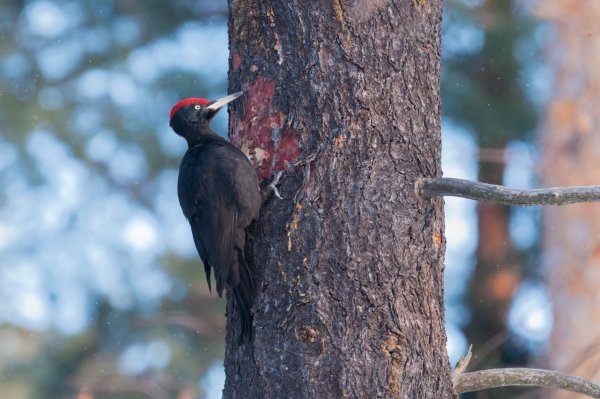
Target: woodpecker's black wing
{"x":219,"y":194}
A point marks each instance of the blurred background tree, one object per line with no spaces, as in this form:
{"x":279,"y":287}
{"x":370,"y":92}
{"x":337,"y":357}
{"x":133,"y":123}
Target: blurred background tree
{"x":490,"y":49}
{"x":101,"y":288}
{"x":571,"y":148}
{"x":103,"y":295}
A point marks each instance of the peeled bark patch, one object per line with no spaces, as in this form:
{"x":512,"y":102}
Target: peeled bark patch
{"x":260,"y":132}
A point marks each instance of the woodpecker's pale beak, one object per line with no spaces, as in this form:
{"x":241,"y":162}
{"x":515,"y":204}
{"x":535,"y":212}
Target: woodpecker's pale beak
{"x":222,"y":101}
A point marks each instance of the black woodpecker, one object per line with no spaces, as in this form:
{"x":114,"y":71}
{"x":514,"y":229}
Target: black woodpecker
{"x":219,"y":194}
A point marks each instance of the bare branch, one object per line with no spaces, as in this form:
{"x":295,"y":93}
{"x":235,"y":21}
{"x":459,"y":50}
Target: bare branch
{"x":494,"y":378}
{"x":462,"y":364}
{"x":144,"y":386}
{"x":196,"y":324}
{"x":445,"y":186}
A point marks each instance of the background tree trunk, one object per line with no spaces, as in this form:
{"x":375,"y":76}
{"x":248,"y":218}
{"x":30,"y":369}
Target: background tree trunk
{"x":349,"y":266}
{"x":484,"y":92}
{"x":495,"y":278}
{"x":572,"y":157}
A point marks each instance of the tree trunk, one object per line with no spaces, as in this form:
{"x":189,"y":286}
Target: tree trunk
{"x":496,"y":276}
{"x":349,"y":266}
{"x":572,"y":157}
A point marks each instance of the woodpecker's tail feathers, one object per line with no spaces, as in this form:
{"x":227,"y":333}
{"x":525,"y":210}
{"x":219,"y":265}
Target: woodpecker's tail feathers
{"x":207,"y":272}
{"x":242,"y":295}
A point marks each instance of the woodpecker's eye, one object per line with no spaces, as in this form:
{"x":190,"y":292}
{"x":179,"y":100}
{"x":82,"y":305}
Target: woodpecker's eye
{"x":197,"y":107}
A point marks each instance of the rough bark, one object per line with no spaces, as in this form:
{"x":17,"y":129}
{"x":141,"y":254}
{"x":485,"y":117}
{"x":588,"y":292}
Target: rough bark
{"x":572,"y":157}
{"x":344,"y":95}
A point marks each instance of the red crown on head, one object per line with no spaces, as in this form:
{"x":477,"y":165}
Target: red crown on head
{"x":187,"y":101}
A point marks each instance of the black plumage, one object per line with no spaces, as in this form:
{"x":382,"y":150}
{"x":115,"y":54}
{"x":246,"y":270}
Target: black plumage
{"x":220,"y":196}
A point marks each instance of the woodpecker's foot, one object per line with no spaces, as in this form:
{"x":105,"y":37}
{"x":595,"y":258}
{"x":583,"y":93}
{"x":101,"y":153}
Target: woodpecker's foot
{"x":266,"y":190}
{"x":274,"y":183}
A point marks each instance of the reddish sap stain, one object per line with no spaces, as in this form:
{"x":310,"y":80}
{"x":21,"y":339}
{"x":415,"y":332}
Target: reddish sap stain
{"x":261,"y":134}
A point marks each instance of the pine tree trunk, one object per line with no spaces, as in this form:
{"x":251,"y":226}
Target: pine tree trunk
{"x":349,"y":265}
{"x":495,"y":279}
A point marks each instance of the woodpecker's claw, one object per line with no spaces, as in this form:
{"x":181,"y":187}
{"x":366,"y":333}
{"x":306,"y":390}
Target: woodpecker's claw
{"x":274,"y":183}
